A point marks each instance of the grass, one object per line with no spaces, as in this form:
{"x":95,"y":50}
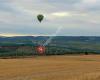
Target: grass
{"x":51,"y":68}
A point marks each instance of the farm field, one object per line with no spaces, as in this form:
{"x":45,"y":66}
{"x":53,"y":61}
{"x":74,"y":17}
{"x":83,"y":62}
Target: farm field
{"x":78,"y":67}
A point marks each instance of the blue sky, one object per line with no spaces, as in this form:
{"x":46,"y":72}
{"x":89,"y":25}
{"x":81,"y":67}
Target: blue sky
{"x":76,"y":17}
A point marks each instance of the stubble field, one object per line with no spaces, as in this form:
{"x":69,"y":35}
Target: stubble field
{"x":51,"y":68}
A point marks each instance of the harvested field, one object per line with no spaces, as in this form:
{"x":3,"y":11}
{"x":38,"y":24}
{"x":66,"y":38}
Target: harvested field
{"x":51,"y":68}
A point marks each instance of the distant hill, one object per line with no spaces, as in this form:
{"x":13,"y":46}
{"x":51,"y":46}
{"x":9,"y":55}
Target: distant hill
{"x":2,"y":38}
{"x":44,"y":38}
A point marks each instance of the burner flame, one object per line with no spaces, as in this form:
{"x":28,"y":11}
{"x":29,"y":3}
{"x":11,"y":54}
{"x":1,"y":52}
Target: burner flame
{"x":41,"y":49}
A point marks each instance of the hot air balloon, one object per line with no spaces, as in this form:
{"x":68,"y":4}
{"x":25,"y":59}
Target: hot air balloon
{"x":40,"y":17}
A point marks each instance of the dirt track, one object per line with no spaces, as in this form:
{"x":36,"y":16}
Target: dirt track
{"x":51,"y":68}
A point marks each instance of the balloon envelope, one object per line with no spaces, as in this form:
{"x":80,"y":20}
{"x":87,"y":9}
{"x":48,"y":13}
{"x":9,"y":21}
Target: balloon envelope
{"x":40,"y":17}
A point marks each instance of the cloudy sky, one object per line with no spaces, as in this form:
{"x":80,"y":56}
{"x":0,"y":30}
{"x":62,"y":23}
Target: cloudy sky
{"x":73,"y":17}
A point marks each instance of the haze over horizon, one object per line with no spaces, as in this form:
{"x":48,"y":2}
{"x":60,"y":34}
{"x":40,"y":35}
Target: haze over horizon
{"x":77,"y":17}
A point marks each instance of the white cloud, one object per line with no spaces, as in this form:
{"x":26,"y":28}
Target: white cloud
{"x":89,"y":1}
{"x":61,"y":14}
